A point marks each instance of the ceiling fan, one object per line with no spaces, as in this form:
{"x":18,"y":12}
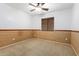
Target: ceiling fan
{"x":38,"y":5}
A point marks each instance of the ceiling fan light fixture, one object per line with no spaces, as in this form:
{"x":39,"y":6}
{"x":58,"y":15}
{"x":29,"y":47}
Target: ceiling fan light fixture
{"x":38,"y":9}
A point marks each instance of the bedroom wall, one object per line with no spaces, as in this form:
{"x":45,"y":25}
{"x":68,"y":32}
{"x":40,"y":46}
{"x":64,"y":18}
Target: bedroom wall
{"x":59,"y":36}
{"x":11,"y":21}
{"x":36,"y":21}
{"x":13,"y":18}
{"x":11,"y":36}
{"x":75,"y":21}
{"x":62,"y":19}
{"x":75,"y":28}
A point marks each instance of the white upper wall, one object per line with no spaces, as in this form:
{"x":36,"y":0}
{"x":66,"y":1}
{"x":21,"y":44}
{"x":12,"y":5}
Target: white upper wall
{"x":75,"y":22}
{"x":65,"y":19}
{"x":36,"y":21}
{"x":13,"y":18}
{"x":62,"y":19}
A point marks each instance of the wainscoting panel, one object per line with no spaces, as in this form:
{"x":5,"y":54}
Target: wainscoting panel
{"x":75,"y":41}
{"x":8,"y":37}
{"x":59,"y":36}
{"x":11,"y":36}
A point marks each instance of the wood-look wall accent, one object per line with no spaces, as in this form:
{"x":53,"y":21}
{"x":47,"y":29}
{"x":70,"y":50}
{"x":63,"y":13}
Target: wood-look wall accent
{"x":7,"y":37}
{"x":59,"y":36}
{"x":75,"y":41}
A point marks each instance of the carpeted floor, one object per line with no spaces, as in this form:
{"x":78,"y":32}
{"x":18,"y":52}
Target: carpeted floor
{"x":37,"y":47}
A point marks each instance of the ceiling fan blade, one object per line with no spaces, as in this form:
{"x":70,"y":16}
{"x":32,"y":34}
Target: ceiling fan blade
{"x":46,"y":9}
{"x":42,"y":4}
{"x":32,"y":4}
{"x":32,"y":10}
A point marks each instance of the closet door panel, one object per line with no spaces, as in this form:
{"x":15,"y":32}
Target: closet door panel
{"x":44,"y":24}
{"x":50,"y":25}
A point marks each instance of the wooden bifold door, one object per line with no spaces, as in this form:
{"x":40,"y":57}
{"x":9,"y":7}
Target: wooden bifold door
{"x":48,"y":24}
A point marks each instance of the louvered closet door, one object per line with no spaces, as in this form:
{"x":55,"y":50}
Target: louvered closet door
{"x":50,"y":24}
{"x":44,"y":24}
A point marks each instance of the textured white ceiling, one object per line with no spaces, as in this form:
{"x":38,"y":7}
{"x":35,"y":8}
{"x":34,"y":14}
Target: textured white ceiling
{"x":52,"y":7}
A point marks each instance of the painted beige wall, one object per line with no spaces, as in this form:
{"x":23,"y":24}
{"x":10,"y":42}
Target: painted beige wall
{"x":59,"y":36}
{"x":75,"y":41}
{"x":7,"y":36}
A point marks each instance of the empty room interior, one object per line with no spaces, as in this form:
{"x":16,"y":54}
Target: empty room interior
{"x":39,"y":29}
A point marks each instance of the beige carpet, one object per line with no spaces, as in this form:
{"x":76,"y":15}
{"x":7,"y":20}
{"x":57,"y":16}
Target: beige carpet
{"x":37,"y":47}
